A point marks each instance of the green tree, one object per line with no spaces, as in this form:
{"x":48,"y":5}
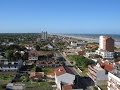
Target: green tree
{"x":17,"y":55}
{"x":9,"y":54}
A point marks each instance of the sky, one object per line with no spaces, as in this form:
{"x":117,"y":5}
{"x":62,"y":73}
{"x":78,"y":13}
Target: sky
{"x":60,"y":16}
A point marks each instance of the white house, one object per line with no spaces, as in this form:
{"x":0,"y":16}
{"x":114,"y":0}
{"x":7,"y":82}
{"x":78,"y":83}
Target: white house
{"x":15,"y":86}
{"x":73,"y":44}
{"x":63,"y":75}
{"x":7,"y":65}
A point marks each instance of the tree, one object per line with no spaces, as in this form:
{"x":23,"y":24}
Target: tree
{"x":17,"y":55}
{"x":25,"y":56}
{"x":9,"y":54}
{"x":37,"y":47}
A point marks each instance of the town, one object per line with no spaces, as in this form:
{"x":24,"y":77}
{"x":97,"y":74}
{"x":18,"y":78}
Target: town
{"x":43,"y":61}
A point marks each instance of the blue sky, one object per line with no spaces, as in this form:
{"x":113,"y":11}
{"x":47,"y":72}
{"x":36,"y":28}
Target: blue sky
{"x":60,"y":16}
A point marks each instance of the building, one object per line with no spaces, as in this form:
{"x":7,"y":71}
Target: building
{"x":15,"y":86}
{"x":10,"y":65}
{"x":63,"y":76}
{"x":105,"y":54}
{"x":73,"y":44}
{"x":98,"y":74}
{"x":114,"y":80}
{"x":44,"y":35}
{"x":90,"y":54}
{"x":106,"y":43}
{"x":106,"y":47}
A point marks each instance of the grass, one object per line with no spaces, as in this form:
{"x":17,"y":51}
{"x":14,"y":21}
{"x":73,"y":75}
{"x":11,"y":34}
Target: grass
{"x":84,"y":72}
{"x":38,"y":86}
{"x":47,"y":70}
{"x":5,"y":78}
{"x":103,"y":87}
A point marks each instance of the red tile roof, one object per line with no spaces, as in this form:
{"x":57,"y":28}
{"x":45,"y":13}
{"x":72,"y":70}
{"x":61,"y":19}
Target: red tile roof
{"x":107,"y":66}
{"x":67,"y":87}
{"x":62,"y":70}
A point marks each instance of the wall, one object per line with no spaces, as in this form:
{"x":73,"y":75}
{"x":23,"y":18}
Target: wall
{"x":67,"y":78}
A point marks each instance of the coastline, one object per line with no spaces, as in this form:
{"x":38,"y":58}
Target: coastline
{"x":90,"y":39}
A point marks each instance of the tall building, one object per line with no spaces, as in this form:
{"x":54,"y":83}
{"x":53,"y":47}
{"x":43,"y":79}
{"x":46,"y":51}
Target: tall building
{"x":44,"y":35}
{"x":106,"y":43}
{"x":106,"y":47}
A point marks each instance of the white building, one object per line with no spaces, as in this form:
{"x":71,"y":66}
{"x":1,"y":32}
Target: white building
{"x":15,"y":86}
{"x":63,"y":75}
{"x":105,"y":54}
{"x":106,"y":43}
{"x":97,"y":74}
{"x":90,"y":54}
{"x":106,"y":47}
{"x":113,"y":81}
{"x":6,"y":65}
{"x":73,"y":44}
{"x":101,"y":42}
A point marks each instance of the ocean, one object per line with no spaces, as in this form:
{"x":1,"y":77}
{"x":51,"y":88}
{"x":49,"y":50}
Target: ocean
{"x":95,"y":37}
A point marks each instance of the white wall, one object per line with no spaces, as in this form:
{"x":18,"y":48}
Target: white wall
{"x":107,"y":54}
{"x":101,"y":75}
{"x":67,"y":78}
{"x":110,"y":75}
{"x":101,"y":42}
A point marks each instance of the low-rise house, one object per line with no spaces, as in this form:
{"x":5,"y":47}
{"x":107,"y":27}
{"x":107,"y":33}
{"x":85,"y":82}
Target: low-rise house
{"x":36,"y":75}
{"x":98,"y":74}
{"x":72,"y":52}
{"x":73,"y":44}
{"x":90,"y":54}
{"x":33,"y":55}
{"x":10,"y":65}
{"x":30,"y":47}
{"x":63,"y":76}
{"x":15,"y":86}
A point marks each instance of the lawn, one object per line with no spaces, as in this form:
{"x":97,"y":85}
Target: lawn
{"x":4,"y":80}
{"x":38,"y":86}
{"x":84,"y":72}
{"x":48,"y":70}
{"x":80,"y":61}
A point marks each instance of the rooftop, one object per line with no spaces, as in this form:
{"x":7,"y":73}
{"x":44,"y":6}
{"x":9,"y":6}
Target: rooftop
{"x":62,"y":70}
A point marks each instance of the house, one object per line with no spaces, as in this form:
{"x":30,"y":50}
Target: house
{"x":36,"y":75}
{"x":15,"y":86}
{"x":63,"y":76}
{"x":10,"y":65}
{"x":97,"y":74}
{"x":33,"y":55}
{"x":73,"y":44}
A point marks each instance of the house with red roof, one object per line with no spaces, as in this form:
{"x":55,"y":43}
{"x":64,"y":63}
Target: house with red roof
{"x":64,"y":76}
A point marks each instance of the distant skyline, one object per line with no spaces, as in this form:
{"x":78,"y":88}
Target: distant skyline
{"x":60,"y":16}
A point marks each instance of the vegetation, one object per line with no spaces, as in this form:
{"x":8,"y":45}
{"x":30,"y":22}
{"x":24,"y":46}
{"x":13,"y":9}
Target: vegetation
{"x":81,"y":61}
{"x":5,"y":79}
{"x":47,"y":70}
{"x":38,"y":86}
